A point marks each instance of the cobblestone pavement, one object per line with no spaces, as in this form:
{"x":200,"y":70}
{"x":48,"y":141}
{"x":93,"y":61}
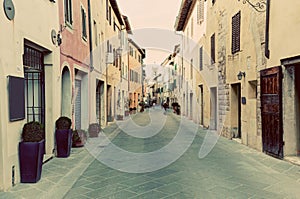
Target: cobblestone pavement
{"x":230,"y":170}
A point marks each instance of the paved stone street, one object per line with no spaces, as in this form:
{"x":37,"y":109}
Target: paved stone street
{"x":230,"y":170}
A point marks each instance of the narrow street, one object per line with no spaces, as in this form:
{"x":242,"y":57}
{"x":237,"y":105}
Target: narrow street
{"x":230,"y":170}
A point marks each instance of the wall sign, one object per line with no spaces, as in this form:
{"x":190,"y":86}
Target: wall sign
{"x":16,"y":96}
{"x":9,"y":9}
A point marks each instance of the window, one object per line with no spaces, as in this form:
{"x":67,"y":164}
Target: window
{"x":68,"y":12}
{"x":200,"y":12}
{"x":236,"y":27}
{"x":96,"y":33}
{"x":201,"y":58}
{"x":212,"y":49}
{"x":107,"y":12}
{"x":83,"y":21}
{"x":114,"y":24}
{"x":109,"y":15}
{"x":131,"y":51}
{"x":33,"y":62}
{"x":213,"y":2}
{"x":191,"y":69}
{"x":192,"y":27}
{"x":115,"y":57}
{"x":107,"y":46}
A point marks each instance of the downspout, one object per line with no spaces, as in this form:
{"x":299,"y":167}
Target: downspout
{"x":128,"y":78}
{"x":267,"y":51}
{"x":91,"y":58}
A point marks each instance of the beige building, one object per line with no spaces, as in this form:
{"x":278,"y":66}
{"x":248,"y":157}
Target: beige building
{"x":28,"y":49}
{"x":239,"y":46}
{"x":196,"y":73}
{"x":223,"y":50}
{"x":135,"y":70}
{"x":109,"y":77}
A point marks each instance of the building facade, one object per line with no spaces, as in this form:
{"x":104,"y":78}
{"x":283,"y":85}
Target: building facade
{"x":229,"y":44}
{"x":30,"y":54}
{"x":135,"y":63}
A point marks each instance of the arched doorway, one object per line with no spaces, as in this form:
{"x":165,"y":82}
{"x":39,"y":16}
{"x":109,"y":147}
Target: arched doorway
{"x":66,"y":94}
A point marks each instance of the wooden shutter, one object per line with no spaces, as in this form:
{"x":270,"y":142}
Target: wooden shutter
{"x":236,"y":27}
{"x":212,"y":50}
{"x":201,"y":58}
{"x":200,"y":11}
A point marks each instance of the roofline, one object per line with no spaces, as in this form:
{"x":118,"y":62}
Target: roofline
{"x":127,"y":24}
{"x":115,"y":7}
{"x":141,"y":50}
{"x":184,"y":14}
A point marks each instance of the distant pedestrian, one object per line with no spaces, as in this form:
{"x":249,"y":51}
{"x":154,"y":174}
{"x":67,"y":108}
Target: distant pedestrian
{"x":165,"y":105}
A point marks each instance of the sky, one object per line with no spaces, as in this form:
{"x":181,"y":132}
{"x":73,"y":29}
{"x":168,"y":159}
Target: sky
{"x":152,"y":22}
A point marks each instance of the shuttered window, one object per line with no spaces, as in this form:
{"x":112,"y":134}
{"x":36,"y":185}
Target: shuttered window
{"x":107,"y":12}
{"x":201,"y":58}
{"x":200,"y":12}
{"x":212,"y":49}
{"x":68,"y":11}
{"x":83,"y":21}
{"x":191,"y":67}
{"x":236,"y":31}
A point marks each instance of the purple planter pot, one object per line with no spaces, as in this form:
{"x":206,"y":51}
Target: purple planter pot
{"x":63,"y":140}
{"x":31,"y":160}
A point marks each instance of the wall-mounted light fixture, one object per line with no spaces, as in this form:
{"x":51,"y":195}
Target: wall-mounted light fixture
{"x":241,"y":75}
{"x":259,"y":6}
{"x":59,"y":39}
{"x":53,"y":1}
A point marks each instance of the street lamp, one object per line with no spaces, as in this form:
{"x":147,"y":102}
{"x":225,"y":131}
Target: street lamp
{"x":240,"y":75}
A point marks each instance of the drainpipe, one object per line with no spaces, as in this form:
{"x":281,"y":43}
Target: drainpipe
{"x":267,"y":51}
{"x":91,"y":58}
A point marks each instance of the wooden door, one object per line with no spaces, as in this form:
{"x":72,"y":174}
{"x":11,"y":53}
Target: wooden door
{"x":271,"y":111}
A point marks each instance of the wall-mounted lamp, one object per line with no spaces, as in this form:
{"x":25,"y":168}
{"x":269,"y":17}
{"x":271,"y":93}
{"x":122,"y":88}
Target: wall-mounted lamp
{"x":53,"y":1}
{"x":59,"y":39}
{"x":240,"y":75}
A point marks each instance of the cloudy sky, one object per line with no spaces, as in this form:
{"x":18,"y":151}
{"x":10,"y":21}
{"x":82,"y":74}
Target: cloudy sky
{"x":152,"y":22}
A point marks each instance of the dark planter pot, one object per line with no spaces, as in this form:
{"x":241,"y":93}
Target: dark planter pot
{"x":31,"y":160}
{"x":94,"y":130}
{"x":119,"y":117}
{"x":63,"y":140}
{"x":79,"y":138}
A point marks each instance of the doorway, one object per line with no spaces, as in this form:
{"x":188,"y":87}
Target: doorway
{"x":236,"y":110}
{"x":201,"y":105}
{"x":297,"y":106}
{"x":213,"y":108}
{"x":191,"y":106}
{"x":66,"y":93}
{"x":109,"y":104}
{"x":100,"y":102}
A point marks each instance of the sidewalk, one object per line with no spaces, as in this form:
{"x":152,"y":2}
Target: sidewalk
{"x":58,"y":174}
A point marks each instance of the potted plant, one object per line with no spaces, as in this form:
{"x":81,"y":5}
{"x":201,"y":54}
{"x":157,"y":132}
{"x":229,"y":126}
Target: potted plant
{"x":31,"y":152}
{"x":94,"y":130}
{"x":63,"y":137}
{"x":79,"y":138}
